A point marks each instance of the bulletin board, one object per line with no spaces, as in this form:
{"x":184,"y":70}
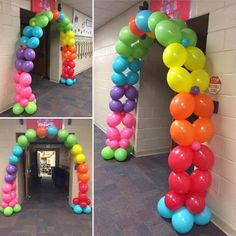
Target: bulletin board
{"x":34,"y":123}
{"x":42,"y":5}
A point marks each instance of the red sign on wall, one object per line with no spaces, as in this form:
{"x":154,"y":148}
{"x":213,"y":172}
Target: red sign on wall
{"x":172,"y":8}
{"x":42,"y":5}
{"x":35,"y":123}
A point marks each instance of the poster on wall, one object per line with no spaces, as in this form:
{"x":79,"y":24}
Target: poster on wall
{"x":82,"y":24}
{"x":172,"y":8}
{"x":34,"y":123}
{"x":42,"y":5}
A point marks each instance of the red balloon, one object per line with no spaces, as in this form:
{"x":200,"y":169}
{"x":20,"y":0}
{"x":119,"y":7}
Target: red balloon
{"x":66,"y":75}
{"x":72,"y":64}
{"x":65,"y":70}
{"x":83,"y":187}
{"x":71,"y":72}
{"x":83,"y":196}
{"x":203,"y":158}
{"x":76,"y":201}
{"x":88,"y":201}
{"x":195,"y":202}
{"x":200,"y":181}
{"x":56,"y":14}
{"x":66,"y":63}
{"x":174,"y":200}
{"x":133,"y":27}
{"x":41,"y":131}
{"x":180,"y":158}
{"x":179,"y":182}
{"x":83,"y":204}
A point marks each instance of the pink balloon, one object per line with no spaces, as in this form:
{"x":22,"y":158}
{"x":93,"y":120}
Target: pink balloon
{"x":24,"y":102}
{"x":18,"y":88}
{"x":32,"y":97}
{"x":6,"y":197}
{"x":16,"y":76}
{"x":124,"y":143}
{"x":114,"y":119}
{"x":113,"y":134}
{"x":129,"y":120}
{"x":17,"y":200}
{"x":25,"y":79}
{"x":114,"y":144}
{"x":12,"y":203}
{"x":4,"y":205}
{"x":6,"y":188}
{"x":17,"y":98}
{"x":26,"y":92}
{"x":13,"y":194}
{"x":126,"y":133}
{"x":13,"y":185}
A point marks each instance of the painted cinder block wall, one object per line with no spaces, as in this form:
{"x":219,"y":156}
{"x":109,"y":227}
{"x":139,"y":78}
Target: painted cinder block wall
{"x":221,"y":61}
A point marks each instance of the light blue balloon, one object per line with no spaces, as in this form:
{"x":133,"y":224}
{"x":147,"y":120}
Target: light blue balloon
{"x":87,"y":210}
{"x":182,"y":220}
{"x":17,"y":150}
{"x":135,"y":65}
{"x":24,"y":40}
{"x":120,"y":64}
{"x":62,"y":80}
{"x":37,"y":32}
{"x":33,"y":42}
{"x":204,"y":217}
{"x":141,"y":20}
{"x":185,"y":42}
{"x":27,"y":31}
{"x":14,"y":159}
{"x":132,"y":78}
{"x":72,"y":205}
{"x":77,"y":209}
{"x":69,"y":82}
{"x":62,"y":16}
{"x":52,"y":131}
{"x":118,"y":79}
{"x":163,"y":210}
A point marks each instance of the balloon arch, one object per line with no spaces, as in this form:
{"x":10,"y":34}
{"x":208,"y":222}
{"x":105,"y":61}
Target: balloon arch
{"x":24,"y":98}
{"x":10,"y":202}
{"x":184,"y":204}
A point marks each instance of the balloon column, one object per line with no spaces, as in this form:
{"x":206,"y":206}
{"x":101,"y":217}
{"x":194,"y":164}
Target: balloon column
{"x":24,"y":98}
{"x":185,"y":201}
{"x":10,"y":202}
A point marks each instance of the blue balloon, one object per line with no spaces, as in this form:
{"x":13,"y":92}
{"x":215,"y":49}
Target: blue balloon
{"x":27,"y":31}
{"x":69,"y":82}
{"x":77,"y":209}
{"x":62,"y":16}
{"x":118,"y":79}
{"x":33,"y":42}
{"x":141,"y":20}
{"x":24,"y":40}
{"x":14,"y":159}
{"x":87,"y":210}
{"x":52,"y":131}
{"x":204,"y":217}
{"x":72,"y":205}
{"x":185,"y":42}
{"x":182,"y":220}
{"x":37,"y":32}
{"x":132,"y":78}
{"x":17,"y":150}
{"x":163,"y":210}
{"x":62,"y":80}
{"x":120,"y":64}
{"x":135,"y":65}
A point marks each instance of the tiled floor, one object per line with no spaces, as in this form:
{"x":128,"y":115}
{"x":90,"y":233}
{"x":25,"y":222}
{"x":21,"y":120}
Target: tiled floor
{"x":126,"y":195}
{"x":47,"y":213}
{"x":62,"y":101}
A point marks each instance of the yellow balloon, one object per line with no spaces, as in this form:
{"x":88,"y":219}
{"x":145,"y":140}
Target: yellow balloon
{"x":79,"y":159}
{"x":63,"y":42}
{"x":70,"y":34}
{"x":179,"y":79}
{"x":195,"y":59}
{"x":76,"y":149}
{"x":71,"y":42}
{"x":201,"y":79}
{"x":151,"y":35}
{"x":174,"y":55}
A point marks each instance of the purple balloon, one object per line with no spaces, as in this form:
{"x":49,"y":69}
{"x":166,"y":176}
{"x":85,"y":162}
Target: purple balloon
{"x":129,"y":105}
{"x":10,"y":178}
{"x":131,"y":93}
{"x":195,"y":90}
{"x":29,"y":54}
{"x":28,"y":66}
{"x":20,"y":53}
{"x":19,"y":64}
{"x":11,"y":169}
{"x":116,"y":106}
{"x":117,"y":92}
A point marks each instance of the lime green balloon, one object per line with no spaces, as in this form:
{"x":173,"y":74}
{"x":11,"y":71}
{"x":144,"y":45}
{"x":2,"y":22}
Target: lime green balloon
{"x":71,"y":140}
{"x":31,"y":108}
{"x":1,"y":209}
{"x":121,"y":154}
{"x":62,"y":134}
{"x":67,"y":144}
{"x":49,"y":15}
{"x":32,"y":21}
{"x":182,"y":24}
{"x":31,"y":135}
{"x":126,"y":36}
{"x":17,"y":208}
{"x":66,"y":21}
{"x":42,"y":21}
{"x":190,"y":35}
{"x":60,"y":28}
{"x":68,"y":27}
{"x":154,"y":19}
{"x":107,"y":153}
{"x":18,"y":109}
{"x":138,"y":51}
{"x":123,"y":49}
{"x":146,"y":43}
{"x":167,"y":32}
{"x":23,"y":141}
{"x":130,"y":149}
{"x":8,"y":211}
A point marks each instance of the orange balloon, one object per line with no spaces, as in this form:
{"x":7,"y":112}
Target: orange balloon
{"x":182,"y":106}
{"x":72,"y":49}
{"x":41,"y":131}
{"x":72,"y":56}
{"x":133,"y":27}
{"x":65,"y":49}
{"x":56,"y":15}
{"x":83,"y":177}
{"x":204,"y":105}
{"x":182,"y":132}
{"x":82,"y":168}
{"x":203,"y":129}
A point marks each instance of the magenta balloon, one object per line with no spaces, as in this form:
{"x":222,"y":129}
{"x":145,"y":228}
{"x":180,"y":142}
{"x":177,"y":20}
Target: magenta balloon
{"x":25,"y":79}
{"x":129,"y":120}
{"x":113,"y":134}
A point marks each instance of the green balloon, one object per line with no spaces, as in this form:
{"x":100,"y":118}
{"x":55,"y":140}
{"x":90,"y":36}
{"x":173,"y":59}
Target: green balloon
{"x":18,"y":109}
{"x":31,"y":135}
{"x":182,"y":24}
{"x":49,"y":15}
{"x":62,"y":134}
{"x":17,"y":208}
{"x":138,"y":51}
{"x":168,"y":32}
{"x":121,"y":154}
{"x":146,"y":43}
{"x":66,"y":21}
{"x":1,"y":209}
{"x":32,"y":21}
{"x":71,"y":140}
{"x":130,"y":149}
{"x":154,"y":19}
{"x":123,"y":49}
{"x":60,"y":28}
{"x":127,"y":37}
{"x":107,"y":153}
{"x":23,"y":141}
{"x":190,"y":35}
{"x":69,"y":27}
{"x":8,"y":211}
{"x":41,"y":21}
{"x":31,"y":108}
{"x":67,"y":144}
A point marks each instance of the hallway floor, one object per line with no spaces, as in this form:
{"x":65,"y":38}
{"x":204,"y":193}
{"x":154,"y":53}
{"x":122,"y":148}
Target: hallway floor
{"x":59,"y":100}
{"x":46,"y":213}
{"x":126,"y":195}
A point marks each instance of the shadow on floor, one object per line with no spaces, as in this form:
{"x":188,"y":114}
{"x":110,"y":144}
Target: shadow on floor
{"x":56,"y":100}
{"x":46,"y":213}
{"x":126,"y":195}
